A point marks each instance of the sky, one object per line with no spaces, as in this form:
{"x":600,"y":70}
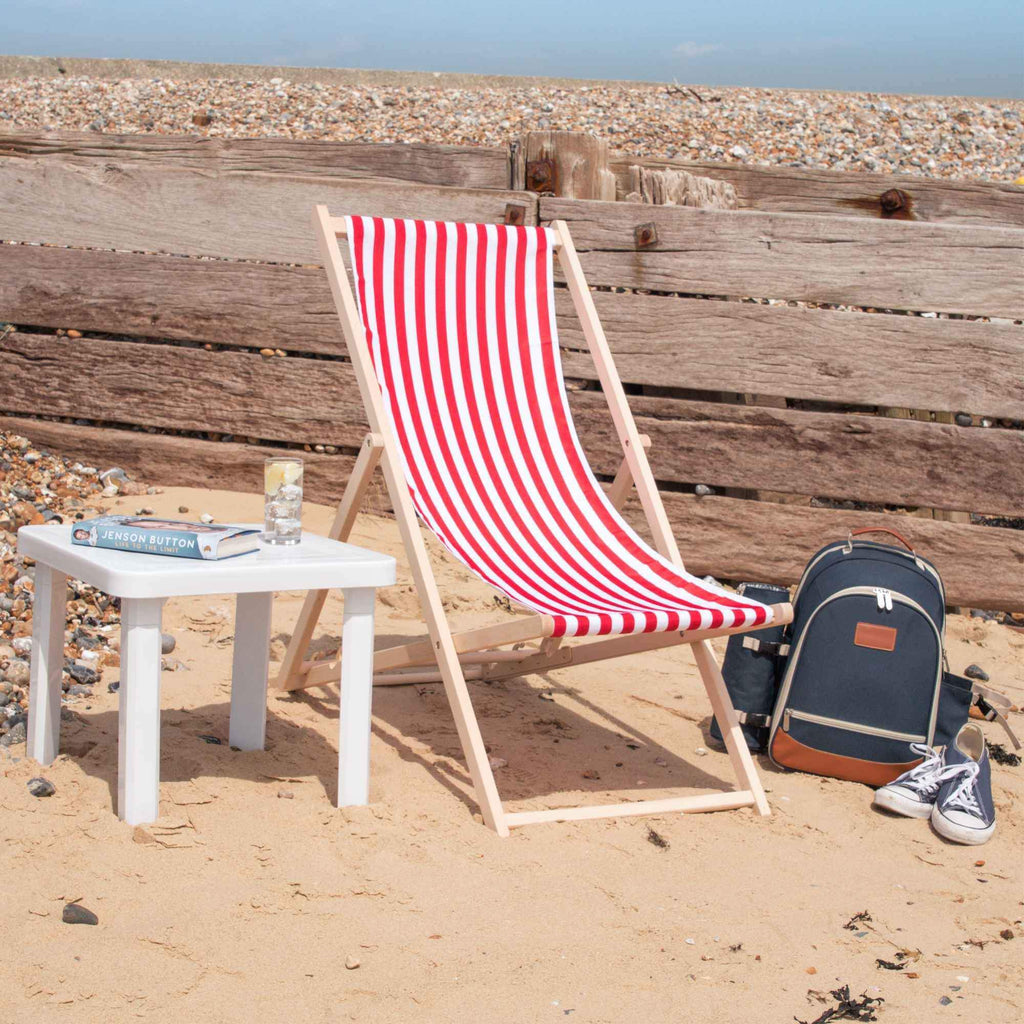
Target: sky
{"x":939,"y":47}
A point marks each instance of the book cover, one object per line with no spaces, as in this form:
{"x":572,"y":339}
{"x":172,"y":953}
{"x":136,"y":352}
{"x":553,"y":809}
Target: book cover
{"x":165,"y":537}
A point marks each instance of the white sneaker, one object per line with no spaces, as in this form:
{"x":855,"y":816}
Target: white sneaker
{"x":913,"y":793}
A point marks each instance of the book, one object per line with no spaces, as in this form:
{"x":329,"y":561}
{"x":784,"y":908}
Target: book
{"x":165,"y":537}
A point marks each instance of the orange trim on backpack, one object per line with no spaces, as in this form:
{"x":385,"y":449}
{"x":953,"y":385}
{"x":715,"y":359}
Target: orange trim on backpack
{"x":791,"y":753}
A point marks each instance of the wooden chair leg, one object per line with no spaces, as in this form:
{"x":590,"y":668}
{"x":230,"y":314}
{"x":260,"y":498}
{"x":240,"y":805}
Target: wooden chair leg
{"x":291,"y":676}
{"x":472,"y":740}
{"x":735,"y":743}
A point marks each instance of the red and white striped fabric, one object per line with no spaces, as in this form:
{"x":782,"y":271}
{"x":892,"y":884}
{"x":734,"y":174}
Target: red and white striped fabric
{"x":460,"y":322}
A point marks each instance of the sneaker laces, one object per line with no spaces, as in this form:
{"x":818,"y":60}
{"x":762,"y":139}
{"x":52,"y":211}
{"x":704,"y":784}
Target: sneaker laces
{"x":964,"y":797}
{"x":923,"y":778}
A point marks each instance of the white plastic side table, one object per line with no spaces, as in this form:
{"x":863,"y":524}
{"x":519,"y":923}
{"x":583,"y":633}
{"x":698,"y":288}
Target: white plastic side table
{"x":143,"y":583}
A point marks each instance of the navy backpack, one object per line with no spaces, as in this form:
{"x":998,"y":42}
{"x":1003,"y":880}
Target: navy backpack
{"x":860,"y":674}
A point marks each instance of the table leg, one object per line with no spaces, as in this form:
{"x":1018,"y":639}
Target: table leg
{"x":47,"y":663}
{"x":138,"y":757}
{"x":249,"y":670}
{"x":356,"y":695}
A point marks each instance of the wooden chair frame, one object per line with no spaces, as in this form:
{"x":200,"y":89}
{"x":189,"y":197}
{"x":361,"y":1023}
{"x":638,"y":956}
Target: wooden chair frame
{"x":478,"y":653}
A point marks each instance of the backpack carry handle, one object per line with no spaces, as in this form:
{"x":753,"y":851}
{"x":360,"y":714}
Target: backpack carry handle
{"x":882,"y":529}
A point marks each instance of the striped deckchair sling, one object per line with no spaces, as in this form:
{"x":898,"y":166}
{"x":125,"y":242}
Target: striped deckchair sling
{"x":451,"y":330}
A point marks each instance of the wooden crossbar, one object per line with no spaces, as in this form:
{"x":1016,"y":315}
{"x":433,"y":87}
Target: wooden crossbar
{"x":679,"y":805}
{"x":620,"y":646}
{"x":423,"y":652}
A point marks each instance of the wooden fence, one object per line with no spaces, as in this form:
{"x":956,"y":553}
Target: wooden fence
{"x":180,"y":259}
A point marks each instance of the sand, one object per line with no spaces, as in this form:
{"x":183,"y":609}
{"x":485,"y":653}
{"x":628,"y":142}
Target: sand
{"x":243,"y":902}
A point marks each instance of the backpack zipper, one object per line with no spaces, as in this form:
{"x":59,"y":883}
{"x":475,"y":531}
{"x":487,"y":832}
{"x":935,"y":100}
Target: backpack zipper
{"x":838,"y":723}
{"x":794,"y":659}
{"x":918,"y":561}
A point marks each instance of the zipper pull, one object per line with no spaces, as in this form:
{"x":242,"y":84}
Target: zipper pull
{"x":888,"y":600}
{"x":880,"y":598}
{"x":785,"y":720}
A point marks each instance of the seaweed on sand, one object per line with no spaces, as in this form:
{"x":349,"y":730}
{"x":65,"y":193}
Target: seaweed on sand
{"x":847,"y":1008}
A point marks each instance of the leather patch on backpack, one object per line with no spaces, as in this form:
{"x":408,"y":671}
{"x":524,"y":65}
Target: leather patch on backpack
{"x":879,"y":638}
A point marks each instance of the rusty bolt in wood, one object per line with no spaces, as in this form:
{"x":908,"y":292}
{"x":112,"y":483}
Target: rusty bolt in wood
{"x":540,"y":175}
{"x":645,"y":235}
{"x":515,"y":214}
{"x":894,"y":200}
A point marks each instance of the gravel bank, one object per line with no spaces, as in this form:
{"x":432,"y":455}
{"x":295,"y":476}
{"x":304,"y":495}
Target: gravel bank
{"x":40,"y":487}
{"x":946,"y":137}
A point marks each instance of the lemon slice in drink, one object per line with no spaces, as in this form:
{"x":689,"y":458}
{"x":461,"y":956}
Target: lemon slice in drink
{"x":279,"y":473}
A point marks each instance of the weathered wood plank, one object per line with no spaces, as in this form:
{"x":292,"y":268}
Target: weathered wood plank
{"x":817,"y":354}
{"x":863,"y":458}
{"x":826,"y":355}
{"x":981,"y":566}
{"x":188,"y":461}
{"x":415,"y":162}
{"x":842,"y":260}
{"x":311,"y":401}
{"x":234,"y":214}
{"x":254,"y":305}
{"x":867,"y":458}
{"x":857,"y":194}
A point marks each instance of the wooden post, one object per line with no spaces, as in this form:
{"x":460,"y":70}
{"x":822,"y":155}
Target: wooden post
{"x":571,"y":165}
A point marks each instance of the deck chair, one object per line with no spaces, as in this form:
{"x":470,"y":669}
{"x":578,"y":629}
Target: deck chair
{"x":451,"y":330}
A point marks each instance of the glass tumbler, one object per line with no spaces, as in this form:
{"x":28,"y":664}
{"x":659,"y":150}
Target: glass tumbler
{"x":282,"y":501}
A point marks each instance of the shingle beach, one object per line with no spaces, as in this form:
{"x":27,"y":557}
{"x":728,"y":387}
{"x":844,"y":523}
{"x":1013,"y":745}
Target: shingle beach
{"x":946,"y":137}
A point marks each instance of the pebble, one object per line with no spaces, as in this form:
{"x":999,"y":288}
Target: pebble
{"x":114,"y":686}
{"x":206,"y":517}
{"x":497,"y":762}
{"x":976,"y":672}
{"x":183,"y":508}
{"x":351,"y":963}
{"x":938,"y":137}
{"x":83,"y":674}
{"x":18,"y":733}
{"x":75,"y":913}
{"x":285,"y":794}
{"x":17,"y":673}
{"x":701,"y":751}
{"x":703,"y":491}
{"x":80,"y":691}
{"x":38,"y":786}
{"x":167,"y":643}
